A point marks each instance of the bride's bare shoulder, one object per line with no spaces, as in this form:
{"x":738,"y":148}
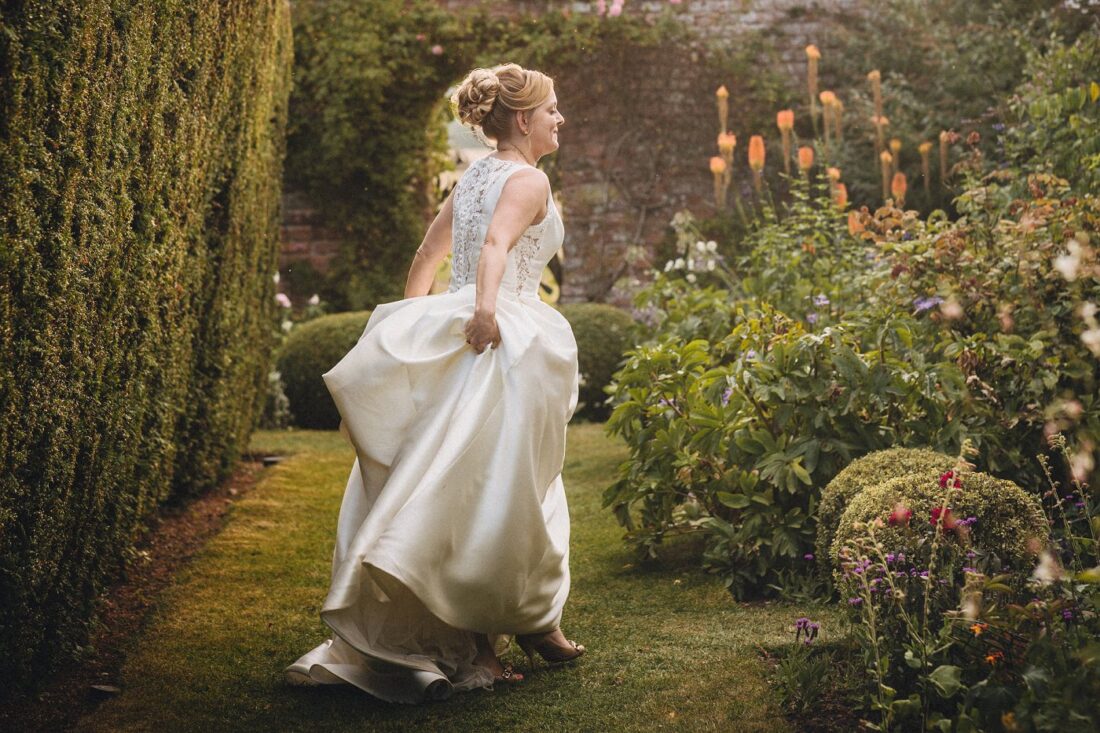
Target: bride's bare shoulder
{"x":526,"y":182}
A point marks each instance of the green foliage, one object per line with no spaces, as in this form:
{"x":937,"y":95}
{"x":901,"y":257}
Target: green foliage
{"x":863,"y":473}
{"x":142,"y":150}
{"x":365,"y":134}
{"x":603,"y":333}
{"x":311,"y":350}
{"x":731,"y":437}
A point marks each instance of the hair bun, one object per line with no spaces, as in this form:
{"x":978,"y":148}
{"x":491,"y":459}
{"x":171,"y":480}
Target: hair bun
{"x":475,"y":96}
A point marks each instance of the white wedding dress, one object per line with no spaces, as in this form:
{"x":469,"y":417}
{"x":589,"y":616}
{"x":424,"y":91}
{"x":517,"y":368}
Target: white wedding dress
{"x":454,"y":519}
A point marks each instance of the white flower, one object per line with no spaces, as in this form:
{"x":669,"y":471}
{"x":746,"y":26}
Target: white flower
{"x":275,"y":277}
{"x":712,"y":246}
{"x":710,"y":265}
{"x":1048,"y":570}
{"x":1088,"y":311}
{"x":690,"y":277}
{"x":282,"y":299}
{"x":1067,"y":264}
{"x":315,"y":299}
{"x":701,"y":246}
{"x":287,"y":325}
{"x":679,"y":264}
{"x":1091,"y":339}
{"x":1081,"y":465}
{"x":669,"y":265}
{"x":690,"y":264}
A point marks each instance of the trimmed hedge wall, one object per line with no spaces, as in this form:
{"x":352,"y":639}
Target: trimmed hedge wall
{"x":141,"y":145}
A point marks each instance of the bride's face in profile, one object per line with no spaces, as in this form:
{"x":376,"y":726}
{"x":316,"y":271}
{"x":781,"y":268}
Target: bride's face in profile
{"x":543,"y":123}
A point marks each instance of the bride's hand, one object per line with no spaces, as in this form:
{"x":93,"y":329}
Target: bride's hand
{"x":482,"y":331}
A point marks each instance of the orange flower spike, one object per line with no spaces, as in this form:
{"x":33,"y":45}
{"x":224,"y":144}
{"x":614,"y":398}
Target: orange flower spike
{"x":719,"y":168}
{"x":895,"y":146}
{"x":945,"y":140}
{"x":722,"y":95}
{"x":838,"y":118}
{"x":898,"y":187}
{"x":784,"y":120}
{"x":875,"y":77}
{"x":886,"y":161}
{"x":727,"y":141}
{"x":756,"y":160}
{"x":840,"y":196}
{"x":805,"y":158}
{"x":828,"y":104}
{"x":833,"y":174}
{"x":925,"y":150}
{"x":756,"y":153}
{"x":855,"y":226}
{"x":812,"y":57}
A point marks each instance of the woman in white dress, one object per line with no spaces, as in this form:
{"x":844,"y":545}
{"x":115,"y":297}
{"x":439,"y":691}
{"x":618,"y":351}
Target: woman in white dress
{"x":453,"y":534}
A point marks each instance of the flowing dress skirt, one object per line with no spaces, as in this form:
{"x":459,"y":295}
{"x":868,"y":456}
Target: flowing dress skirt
{"x":454,"y":519}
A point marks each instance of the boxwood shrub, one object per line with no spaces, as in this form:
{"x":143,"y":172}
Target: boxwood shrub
{"x":870,"y":470}
{"x":141,"y":146}
{"x":1006,"y":519}
{"x":311,"y":350}
{"x":604,"y":334}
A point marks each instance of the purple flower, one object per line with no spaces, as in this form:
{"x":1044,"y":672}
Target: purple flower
{"x":808,"y":556}
{"x":968,"y":521}
{"x":855,"y":601}
{"x":970,"y":570}
{"x":1079,"y":504}
{"x":820,"y":301}
{"x":923,"y":573}
{"x":1067,"y":614}
{"x":890,"y":557}
{"x":750,"y":354}
{"x":801,"y":623}
{"x":726,"y":396}
{"x":923,"y":304}
{"x":811,"y":318}
{"x":901,"y":557}
{"x":999,"y":126}
{"x":971,"y":554}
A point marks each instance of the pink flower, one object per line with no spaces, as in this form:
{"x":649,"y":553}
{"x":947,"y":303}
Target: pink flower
{"x":949,"y":522}
{"x":420,"y":36}
{"x":901,"y":514}
{"x":437,"y":50}
{"x":282,"y":299}
{"x":601,"y":7}
{"x":950,"y":480}
{"x":616,"y":9}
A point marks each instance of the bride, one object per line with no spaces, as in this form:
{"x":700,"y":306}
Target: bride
{"x":453,"y":534}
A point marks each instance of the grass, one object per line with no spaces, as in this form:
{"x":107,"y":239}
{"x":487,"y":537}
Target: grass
{"x":668,"y":648}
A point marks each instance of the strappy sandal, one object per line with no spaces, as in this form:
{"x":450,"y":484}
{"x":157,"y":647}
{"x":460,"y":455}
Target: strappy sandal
{"x":553,"y":654}
{"x":508,"y":674}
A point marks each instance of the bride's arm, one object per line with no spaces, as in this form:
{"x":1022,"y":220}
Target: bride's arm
{"x":519,"y":205}
{"x":436,"y":245}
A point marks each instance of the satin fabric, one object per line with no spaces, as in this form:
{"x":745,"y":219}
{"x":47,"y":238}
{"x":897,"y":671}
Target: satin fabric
{"x":454,"y":519}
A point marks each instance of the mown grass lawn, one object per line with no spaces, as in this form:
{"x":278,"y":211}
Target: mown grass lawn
{"x":668,"y":649}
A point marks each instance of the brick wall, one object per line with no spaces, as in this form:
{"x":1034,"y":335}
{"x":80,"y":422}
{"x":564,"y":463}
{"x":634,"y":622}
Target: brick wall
{"x":628,"y":163}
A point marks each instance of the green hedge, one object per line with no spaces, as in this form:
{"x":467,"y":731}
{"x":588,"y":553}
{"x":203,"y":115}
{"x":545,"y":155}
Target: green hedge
{"x":311,"y":350}
{"x":603,"y":333}
{"x":141,"y":145}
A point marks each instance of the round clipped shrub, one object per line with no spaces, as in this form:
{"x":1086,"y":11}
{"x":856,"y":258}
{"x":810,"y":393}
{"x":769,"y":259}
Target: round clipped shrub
{"x":862,"y":473}
{"x":603,"y":334}
{"x":999,"y":517}
{"x":311,"y":350}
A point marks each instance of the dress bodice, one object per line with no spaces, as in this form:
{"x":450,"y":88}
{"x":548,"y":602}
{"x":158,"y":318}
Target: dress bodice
{"x":475,"y":199}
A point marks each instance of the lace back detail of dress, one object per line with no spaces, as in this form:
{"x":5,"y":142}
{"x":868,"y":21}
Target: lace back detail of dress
{"x":474,"y":201}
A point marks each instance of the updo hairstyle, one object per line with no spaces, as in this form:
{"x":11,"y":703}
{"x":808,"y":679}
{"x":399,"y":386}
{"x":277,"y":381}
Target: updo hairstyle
{"x":487,"y":98}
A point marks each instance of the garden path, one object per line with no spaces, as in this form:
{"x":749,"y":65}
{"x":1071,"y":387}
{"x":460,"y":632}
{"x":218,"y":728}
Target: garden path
{"x":668,"y":649}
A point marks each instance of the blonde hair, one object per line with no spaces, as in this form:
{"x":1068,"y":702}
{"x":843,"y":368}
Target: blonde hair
{"x":487,"y":98}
